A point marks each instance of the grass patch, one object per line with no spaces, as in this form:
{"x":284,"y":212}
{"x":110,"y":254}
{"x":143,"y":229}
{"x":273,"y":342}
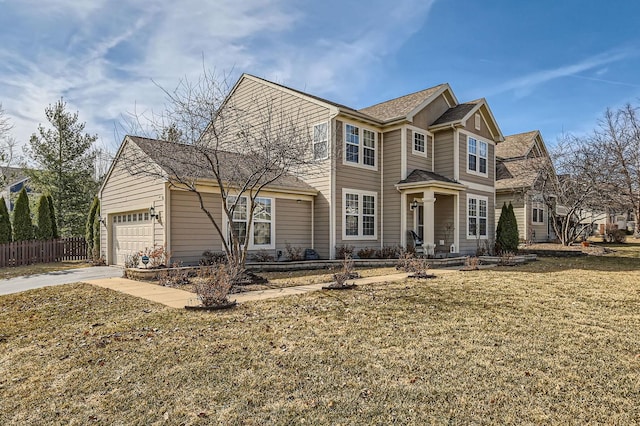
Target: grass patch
{"x":41,"y":268}
{"x":554,"y":342}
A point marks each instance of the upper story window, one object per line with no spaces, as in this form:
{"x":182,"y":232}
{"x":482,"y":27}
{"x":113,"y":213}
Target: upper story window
{"x":476,"y":216}
{"x":359,"y":146}
{"x":477,"y":154}
{"x":419,"y":143}
{"x":321,"y":141}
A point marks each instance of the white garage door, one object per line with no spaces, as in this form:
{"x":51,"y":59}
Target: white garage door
{"x":131,"y":234}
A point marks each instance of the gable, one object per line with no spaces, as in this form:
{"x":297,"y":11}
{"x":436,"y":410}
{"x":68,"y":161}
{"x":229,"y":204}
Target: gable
{"x":431,"y":112}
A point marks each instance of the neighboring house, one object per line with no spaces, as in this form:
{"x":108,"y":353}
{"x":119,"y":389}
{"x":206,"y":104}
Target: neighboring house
{"x":423,"y":162}
{"x":13,"y":179}
{"x":521,"y":159}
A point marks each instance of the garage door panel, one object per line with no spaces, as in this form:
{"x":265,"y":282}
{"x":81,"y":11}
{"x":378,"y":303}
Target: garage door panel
{"x":131,"y":236}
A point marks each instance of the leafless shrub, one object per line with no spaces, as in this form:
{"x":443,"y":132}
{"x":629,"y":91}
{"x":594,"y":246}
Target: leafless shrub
{"x":174,"y":276}
{"x":344,"y":251}
{"x":215,"y":282}
{"x":471,"y":263}
{"x":294,"y":253}
{"x":389,"y":252}
{"x":366,"y":253}
{"x":210,"y":258}
{"x":346,"y":273}
{"x":262,"y":255}
{"x":132,"y":260}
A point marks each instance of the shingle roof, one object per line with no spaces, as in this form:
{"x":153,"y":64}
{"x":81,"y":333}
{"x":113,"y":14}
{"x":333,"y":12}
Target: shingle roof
{"x":399,"y":107}
{"x":456,"y":113}
{"x":188,"y":161}
{"x":515,"y":146}
{"x":517,"y":173}
{"x":425,"y":176}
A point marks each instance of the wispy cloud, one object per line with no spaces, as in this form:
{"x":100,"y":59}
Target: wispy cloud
{"x":524,"y":85}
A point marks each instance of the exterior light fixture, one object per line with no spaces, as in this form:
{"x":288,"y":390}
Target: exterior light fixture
{"x":152,"y":213}
{"x":414,"y":204}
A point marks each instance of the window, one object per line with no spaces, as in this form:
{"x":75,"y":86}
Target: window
{"x":476,"y":216}
{"x":320,"y":141}
{"x":538,"y":214}
{"x":359,"y":213}
{"x":262,"y":227}
{"x":477,"y":152}
{"x":419,"y":145}
{"x":359,"y":146}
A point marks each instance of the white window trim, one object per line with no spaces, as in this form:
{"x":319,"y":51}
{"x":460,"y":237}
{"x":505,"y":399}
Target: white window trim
{"x":360,"y":193}
{"x":360,"y":162}
{"x":313,"y":142}
{"x":253,"y":246}
{"x":540,"y":208}
{"x":477,"y":154}
{"x":477,"y":198}
{"x":413,"y":143}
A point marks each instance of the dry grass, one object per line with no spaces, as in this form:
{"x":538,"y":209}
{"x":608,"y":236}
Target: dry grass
{"x":552,"y":342}
{"x":41,"y":268}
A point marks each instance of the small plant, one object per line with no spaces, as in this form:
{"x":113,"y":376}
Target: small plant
{"x":99,"y":261}
{"x":344,"y":251}
{"x":366,"y":253}
{"x":341,"y":277}
{"x":471,"y":263}
{"x":404,"y":261}
{"x":616,"y":235}
{"x":210,"y":258}
{"x":174,"y":276}
{"x":132,"y":260}
{"x":419,"y":266}
{"x":157,"y":256}
{"x":294,"y":253}
{"x":262,"y":255}
{"x":389,"y":252}
{"x":507,"y":259}
{"x":214,"y":284}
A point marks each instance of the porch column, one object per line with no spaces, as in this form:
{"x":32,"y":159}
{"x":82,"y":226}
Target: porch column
{"x":428,"y":198}
{"x":403,"y":219}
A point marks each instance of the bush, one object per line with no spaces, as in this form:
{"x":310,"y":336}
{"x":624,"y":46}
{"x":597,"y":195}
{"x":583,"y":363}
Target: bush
{"x":90,"y":226}
{"x":262,"y":255}
{"x":389,"y":252}
{"x":618,"y":236}
{"x":5,"y":223}
{"x":44,"y":230}
{"x":294,"y":253}
{"x":210,"y":258}
{"x":507,"y":236}
{"x":175,"y":276}
{"x":344,"y":251}
{"x":214,"y":284}
{"x":132,"y":261}
{"x":157,"y":256}
{"x":22,"y":225}
{"x":366,"y":253}
{"x":52,"y":211}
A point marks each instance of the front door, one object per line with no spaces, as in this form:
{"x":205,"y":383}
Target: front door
{"x":419,"y":220}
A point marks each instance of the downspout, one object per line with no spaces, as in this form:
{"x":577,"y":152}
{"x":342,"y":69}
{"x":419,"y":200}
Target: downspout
{"x":381,"y":191}
{"x":332,"y":201}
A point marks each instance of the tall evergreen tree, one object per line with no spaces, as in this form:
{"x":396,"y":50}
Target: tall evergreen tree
{"x":507,"y":236}
{"x":500,"y":228}
{"x":44,"y":230}
{"x":52,"y":212}
{"x":96,"y":234}
{"x":5,"y":223}
{"x":90,"y":225}
{"x":65,"y":167}
{"x":22,"y":225}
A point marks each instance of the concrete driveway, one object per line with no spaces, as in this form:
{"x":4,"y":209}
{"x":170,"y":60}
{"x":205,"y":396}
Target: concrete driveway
{"x":18,"y":284}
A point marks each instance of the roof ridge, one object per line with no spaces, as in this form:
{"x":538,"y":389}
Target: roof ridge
{"x":405,"y":95}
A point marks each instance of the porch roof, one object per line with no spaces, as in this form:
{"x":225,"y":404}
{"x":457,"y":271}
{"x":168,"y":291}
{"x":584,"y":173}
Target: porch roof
{"x":418,"y":178}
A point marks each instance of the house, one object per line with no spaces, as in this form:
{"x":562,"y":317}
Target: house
{"x":13,"y":180}
{"x":423,"y":162}
{"x":521,"y":160}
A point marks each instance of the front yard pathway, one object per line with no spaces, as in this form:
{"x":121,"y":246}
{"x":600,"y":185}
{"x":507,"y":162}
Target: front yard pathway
{"x":176,"y":298}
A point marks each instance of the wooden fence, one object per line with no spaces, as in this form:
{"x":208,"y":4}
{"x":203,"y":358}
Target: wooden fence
{"x":30,"y":252}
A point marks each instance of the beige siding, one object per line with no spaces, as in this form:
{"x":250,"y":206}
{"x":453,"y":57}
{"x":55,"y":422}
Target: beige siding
{"x":483,"y":132}
{"x":517,"y":201}
{"x":356,"y":178}
{"x":391,"y":214}
{"x":469,"y":245}
{"x":124,"y":192}
{"x":431,"y":112}
{"x":191,"y":230}
{"x":418,"y":161}
{"x":293,"y":223}
{"x":443,"y":221}
{"x":443,"y":164}
{"x":491,"y":162}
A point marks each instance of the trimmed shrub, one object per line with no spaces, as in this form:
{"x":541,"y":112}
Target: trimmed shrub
{"x":95,"y":252}
{"x":54,"y":224}
{"x":90,"y":225}
{"x":22,"y":225}
{"x":507,"y":231}
{"x":5,"y":223}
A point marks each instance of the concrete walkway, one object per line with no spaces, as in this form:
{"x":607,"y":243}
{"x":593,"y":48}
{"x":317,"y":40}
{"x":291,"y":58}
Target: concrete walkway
{"x":176,"y":298}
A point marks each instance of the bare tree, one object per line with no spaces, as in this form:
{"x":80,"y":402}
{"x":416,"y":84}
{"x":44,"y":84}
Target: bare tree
{"x":572,"y":188}
{"x":618,"y":141}
{"x":7,"y":142}
{"x":239,"y":147}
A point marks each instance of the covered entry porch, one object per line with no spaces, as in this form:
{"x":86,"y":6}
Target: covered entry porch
{"x":430,"y":211}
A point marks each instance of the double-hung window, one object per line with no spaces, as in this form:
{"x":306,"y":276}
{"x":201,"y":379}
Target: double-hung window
{"x":320,"y":141}
{"x":359,"y":146}
{"x":537,"y":213}
{"x":419,"y":143}
{"x":477,"y":154}
{"x":476,"y":216}
{"x":359,"y":213}
{"x":262,"y":226}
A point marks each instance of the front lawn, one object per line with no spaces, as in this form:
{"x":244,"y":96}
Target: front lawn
{"x":554,"y":342}
{"x":41,"y":268}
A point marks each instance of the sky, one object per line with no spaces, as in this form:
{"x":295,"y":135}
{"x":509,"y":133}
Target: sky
{"x":549,"y":65}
